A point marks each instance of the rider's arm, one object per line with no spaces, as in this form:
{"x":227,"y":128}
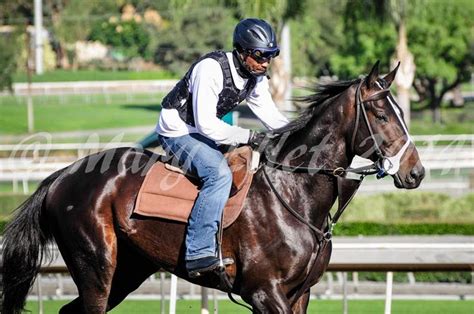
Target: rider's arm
{"x":206,"y":84}
{"x":261,"y":103}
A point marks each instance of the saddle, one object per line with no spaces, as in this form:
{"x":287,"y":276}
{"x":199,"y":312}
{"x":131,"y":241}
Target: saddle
{"x":167,"y":192}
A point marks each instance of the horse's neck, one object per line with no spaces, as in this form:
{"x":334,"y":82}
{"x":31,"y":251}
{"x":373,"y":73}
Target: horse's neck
{"x":319,"y":145}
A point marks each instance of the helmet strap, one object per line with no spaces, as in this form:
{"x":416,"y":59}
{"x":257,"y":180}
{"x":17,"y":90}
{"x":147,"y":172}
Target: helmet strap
{"x":240,"y":65}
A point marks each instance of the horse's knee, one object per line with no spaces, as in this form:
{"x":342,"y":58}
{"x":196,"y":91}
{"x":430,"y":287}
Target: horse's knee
{"x":264,"y":302}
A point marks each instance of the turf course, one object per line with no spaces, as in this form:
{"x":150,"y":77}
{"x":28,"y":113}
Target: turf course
{"x":79,"y":112}
{"x":316,"y":306}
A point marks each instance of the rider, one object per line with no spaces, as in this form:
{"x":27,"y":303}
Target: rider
{"x":190,"y":127}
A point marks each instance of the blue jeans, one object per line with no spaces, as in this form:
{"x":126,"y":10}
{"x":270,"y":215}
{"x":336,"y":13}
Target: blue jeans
{"x":200,"y":157}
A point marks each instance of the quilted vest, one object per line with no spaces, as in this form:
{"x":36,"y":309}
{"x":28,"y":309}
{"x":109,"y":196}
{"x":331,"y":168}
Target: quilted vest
{"x":181,"y":99}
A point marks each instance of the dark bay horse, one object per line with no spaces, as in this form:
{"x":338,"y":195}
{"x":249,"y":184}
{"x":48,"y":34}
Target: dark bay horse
{"x":276,"y":242}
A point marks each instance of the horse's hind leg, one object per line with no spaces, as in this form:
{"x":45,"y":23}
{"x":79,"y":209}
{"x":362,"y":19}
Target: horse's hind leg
{"x":92,"y":271}
{"x":91,"y":260}
{"x":132,"y":269}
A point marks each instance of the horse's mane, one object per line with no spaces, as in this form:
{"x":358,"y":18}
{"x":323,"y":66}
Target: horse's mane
{"x":319,"y":100}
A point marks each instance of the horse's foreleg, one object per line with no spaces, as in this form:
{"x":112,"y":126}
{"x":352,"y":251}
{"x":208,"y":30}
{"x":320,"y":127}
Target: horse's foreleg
{"x":301,"y":305}
{"x":269,"y":300}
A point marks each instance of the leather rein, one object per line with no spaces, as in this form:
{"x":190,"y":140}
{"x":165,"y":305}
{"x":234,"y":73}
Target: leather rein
{"x":323,"y":237}
{"x":340,"y":173}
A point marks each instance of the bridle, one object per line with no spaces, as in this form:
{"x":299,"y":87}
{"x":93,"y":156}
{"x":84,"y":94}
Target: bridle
{"x":382,"y":167}
{"x":385,"y":165}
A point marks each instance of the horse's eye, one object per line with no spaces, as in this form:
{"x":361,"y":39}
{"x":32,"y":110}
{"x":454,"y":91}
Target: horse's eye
{"x":382,"y":117}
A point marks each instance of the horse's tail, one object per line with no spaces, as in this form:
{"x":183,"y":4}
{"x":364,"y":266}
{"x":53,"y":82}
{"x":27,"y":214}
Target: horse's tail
{"x":24,"y":247}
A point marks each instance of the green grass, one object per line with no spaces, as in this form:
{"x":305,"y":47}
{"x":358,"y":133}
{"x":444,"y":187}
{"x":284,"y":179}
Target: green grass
{"x":94,"y":75}
{"x":316,"y":306}
{"x":83,"y":112}
{"x":79,"y":112}
{"x":408,"y":207}
{"x":455,"y":121}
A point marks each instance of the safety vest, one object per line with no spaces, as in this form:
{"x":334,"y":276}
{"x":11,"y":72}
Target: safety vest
{"x":181,"y":99}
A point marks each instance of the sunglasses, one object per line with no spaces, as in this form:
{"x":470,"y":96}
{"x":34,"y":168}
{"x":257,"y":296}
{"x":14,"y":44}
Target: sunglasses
{"x":262,"y":56}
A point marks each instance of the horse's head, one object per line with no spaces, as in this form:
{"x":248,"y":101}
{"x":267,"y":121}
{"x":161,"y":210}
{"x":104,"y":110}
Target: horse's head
{"x":380,"y":133}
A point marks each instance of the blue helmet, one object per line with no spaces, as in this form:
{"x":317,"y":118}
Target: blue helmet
{"x":255,"y":34}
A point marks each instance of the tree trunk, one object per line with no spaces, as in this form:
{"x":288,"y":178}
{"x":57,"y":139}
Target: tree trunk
{"x":406,"y":72}
{"x":280,"y":83}
{"x":436,"y":110}
{"x":435,"y":102}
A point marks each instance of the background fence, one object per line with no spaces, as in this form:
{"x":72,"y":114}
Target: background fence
{"x":380,"y":254}
{"x":449,"y":166}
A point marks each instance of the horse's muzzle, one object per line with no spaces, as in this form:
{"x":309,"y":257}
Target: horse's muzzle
{"x":411,"y":180}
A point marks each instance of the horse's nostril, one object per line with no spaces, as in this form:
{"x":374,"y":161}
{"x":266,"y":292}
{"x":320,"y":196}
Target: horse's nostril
{"x":418,"y":174}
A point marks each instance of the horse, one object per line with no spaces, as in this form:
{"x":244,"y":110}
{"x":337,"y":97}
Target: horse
{"x":280,"y":243}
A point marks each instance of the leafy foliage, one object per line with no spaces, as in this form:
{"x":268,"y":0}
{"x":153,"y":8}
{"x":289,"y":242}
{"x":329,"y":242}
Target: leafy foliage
{"x":441,"y":38}
{"x":190,"y":36}
{"x":8,"y":61}
{"x":366,"y":39}
{"x":315,"y":37}
{"x":127,"y":37}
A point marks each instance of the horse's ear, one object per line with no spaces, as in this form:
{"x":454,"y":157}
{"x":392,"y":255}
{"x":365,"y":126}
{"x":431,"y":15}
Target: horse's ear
{"x":391,"y":76}
{"x":373,"y":75}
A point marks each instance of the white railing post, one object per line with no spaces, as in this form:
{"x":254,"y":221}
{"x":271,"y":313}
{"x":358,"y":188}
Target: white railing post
{"x":216,"y":305}
{"x":344,"y":293}
{"x":40,"y":294}
{"x":388,"y":293}
{"x":173,"y":293}
{"x":204,"y":300}
{"x":162,"y":293}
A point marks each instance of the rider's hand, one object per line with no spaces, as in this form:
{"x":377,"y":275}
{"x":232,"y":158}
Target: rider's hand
{"x":256,"y":139}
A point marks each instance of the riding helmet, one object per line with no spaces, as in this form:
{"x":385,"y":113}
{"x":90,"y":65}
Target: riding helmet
{"x":251,"y":33}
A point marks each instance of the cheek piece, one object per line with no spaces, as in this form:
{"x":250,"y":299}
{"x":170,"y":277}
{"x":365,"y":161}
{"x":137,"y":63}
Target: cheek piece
{"x":391,"y":165}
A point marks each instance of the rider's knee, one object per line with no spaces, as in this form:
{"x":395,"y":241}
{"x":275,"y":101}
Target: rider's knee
{"x":224,"y":174}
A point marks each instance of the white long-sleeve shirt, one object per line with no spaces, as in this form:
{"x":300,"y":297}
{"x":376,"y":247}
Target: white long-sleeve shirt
{"x":205,"y":84}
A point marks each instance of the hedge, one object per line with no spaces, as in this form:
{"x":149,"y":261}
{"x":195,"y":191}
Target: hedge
{"x":379,"y":229}
{"x":446,"y":277}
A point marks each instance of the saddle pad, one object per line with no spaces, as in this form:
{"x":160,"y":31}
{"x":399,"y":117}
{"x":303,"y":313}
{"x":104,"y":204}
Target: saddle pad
{"x":170,"y":194}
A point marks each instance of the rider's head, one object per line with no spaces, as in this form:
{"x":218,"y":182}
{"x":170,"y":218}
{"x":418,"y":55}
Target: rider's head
{"x":256,"y":44}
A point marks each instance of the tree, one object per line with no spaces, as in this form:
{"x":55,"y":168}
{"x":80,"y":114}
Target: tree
{"x":366,"y":39}
{"x":316,"y":34}
{"x":441,"y":38}
{"x":193,"y":34}
{"x":8,"y":61}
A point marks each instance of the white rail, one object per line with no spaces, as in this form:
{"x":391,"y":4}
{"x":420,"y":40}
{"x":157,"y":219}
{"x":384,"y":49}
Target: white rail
{"x":23,"y":163}
{"x":93,"y":87}
{"x":382,"y":254}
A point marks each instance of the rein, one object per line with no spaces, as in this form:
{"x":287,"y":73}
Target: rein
{"x":382,"y":167}
{"x":339,"y":172}
{"x":343,"y":184}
